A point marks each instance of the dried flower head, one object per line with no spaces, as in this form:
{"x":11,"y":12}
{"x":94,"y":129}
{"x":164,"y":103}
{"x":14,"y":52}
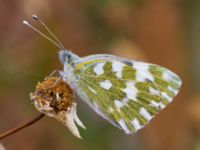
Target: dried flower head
{"x":55,"y":98}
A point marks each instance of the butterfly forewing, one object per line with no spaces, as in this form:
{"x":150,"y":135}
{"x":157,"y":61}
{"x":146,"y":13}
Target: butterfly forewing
{"x":126,"y":93}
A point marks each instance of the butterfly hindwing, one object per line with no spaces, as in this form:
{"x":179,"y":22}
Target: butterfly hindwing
{"x":126,"y":93}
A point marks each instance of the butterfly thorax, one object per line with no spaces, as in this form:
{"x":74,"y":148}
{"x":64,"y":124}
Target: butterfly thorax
{"x":68,"y":59}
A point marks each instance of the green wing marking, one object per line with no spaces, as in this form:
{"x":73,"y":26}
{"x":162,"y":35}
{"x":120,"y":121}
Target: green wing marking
{"x":126,"y":93}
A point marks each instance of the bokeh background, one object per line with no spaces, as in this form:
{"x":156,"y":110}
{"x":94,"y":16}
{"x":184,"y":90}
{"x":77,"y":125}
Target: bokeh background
{"x":165,"y":32}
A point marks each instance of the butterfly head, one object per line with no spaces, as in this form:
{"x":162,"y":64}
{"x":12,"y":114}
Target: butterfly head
{"x":67,"y":57}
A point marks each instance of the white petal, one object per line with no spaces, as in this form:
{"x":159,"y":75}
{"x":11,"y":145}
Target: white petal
{"x":77,"y":120}
{"x":68,"y":118}
{"x":71,"y":125}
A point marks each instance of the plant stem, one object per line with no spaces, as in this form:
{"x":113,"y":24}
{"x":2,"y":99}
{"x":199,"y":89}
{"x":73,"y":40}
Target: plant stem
{"x":22,"y":126}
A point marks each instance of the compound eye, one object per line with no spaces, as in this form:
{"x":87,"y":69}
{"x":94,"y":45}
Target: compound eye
{"x":63,"y":56}
{"x":69,"y":57}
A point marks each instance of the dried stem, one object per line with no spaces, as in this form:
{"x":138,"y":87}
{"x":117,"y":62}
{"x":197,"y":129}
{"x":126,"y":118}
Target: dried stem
{"x":20,"y":127}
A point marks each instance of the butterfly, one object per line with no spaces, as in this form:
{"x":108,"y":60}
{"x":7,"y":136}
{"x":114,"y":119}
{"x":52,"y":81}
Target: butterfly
{"x":127,"y":93}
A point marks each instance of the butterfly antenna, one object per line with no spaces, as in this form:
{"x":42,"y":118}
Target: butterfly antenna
{"x":42,"y":34}
{"x":36,"y":18}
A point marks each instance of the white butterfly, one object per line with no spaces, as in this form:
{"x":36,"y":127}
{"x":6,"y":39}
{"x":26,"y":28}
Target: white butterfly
{"x":125,"y":92}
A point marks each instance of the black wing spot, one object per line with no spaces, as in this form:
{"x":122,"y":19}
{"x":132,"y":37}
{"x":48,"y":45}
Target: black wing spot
{"x":128,"y":62}
{"x":148,"y":81}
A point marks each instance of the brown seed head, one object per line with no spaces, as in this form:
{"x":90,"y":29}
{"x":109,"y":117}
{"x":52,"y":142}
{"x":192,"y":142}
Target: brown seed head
{"x":52,"y":96}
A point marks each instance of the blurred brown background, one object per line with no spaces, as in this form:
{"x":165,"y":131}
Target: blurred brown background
{"x":165,"y":32}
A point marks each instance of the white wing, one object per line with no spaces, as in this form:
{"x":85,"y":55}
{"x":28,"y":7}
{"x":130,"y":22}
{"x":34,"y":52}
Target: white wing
{"x":126,"y":93}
